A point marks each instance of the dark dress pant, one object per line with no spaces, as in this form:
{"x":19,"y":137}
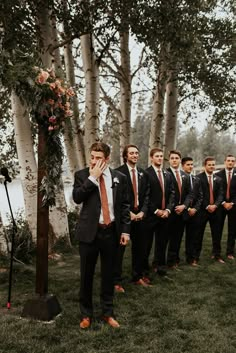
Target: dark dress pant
{"x":175,"y":230}
{"x":191,"y":224}
{"x":137,"y":236}
{"x":105,"y":245}
{"x":231,"y":215}
{"x":215,"y":226}
{"x":158,"y":228}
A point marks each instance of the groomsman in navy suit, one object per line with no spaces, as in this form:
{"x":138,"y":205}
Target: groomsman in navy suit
{"x":190,"y":215}
{"x":138,"y":197}
{"x":228,"y":206}
{"x":183,"y":199}
{"x":161,"y":205}
{"x":210,"y":210}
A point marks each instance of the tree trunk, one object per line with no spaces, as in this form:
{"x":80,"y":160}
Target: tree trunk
{"x":77,"y":131}
{"x":3,"y":242}
{"x":27,"y":162}
{"x":155,"y":139}
{"x":69,"y":141}
{"x":45,"y":33}
{"x":59,"y":223}
{"x":91,"y":73}
{"x":125,"y":91}
{"x":171,"y":113}
{"x":70,"y":76}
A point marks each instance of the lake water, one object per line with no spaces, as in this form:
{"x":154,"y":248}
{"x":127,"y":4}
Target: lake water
{"x":17,"y":200}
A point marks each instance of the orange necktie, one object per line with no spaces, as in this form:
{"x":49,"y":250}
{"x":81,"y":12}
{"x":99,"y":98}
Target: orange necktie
{"x":211,"y":191}
{"x":134,"y":182}
{"x":163,"y":203}
{"x":228,"y":186}
{"x":104,"y":202}
{"x":179,"y":183}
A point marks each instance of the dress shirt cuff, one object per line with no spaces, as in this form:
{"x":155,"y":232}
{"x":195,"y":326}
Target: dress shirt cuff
{"x":127,"y":234}
{"x":167,"y":209}
{"x":93,"y":180}
{"x":155,"y":212}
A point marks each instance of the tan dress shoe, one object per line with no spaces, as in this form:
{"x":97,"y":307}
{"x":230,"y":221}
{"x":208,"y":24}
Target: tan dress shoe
{"x":111,"y":321}
{"x":85,"y":322}
{"x":119,"y":289}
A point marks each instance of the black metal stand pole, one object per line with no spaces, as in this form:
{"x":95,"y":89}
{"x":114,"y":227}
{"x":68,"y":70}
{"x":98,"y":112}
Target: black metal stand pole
{"x":14,"y":231}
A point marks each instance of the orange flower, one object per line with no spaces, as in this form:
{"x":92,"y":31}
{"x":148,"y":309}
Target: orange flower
{"x":51,"y":101}
{"x":42,"y":77}
{"x":70,"y":92}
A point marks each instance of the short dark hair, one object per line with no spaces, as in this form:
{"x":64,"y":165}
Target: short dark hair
{"x":125,"y":151}
{"x":154,"y":150}
{"x":101,"y":147}
{"x":229,"y":155}
{"x":208,"y":159}
{"x":175,"y":152}
{"x":186,"y":159}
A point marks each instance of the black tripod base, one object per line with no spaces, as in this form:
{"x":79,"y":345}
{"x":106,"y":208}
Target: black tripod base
{"x":43,"y":308}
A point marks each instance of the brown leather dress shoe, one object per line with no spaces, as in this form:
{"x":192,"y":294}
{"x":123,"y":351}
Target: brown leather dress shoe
{"x":146,"y":280}
{"x":230,"y":257}
{"x":85,"y":322}
{"x":119,"y":289}
{"x":142,"y":283}
{"x":111,"y":321}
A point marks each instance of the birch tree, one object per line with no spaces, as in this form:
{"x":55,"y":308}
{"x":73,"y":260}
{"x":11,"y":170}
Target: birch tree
{"x":27,"y":162}
{"x":171,"y":113}
{"x":91,"y":73}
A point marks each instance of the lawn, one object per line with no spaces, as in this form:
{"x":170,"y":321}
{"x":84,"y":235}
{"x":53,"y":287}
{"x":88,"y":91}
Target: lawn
{"x":192,"y":310}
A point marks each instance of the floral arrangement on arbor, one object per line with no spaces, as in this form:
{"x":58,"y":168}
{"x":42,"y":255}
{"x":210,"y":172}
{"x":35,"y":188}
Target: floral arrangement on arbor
{"x":53,"y":100}
{"x":51,"y":110}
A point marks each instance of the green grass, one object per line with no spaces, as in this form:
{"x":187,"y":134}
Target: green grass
{"x":192,"y":311}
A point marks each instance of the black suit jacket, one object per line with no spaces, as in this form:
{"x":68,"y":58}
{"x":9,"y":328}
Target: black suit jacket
{"x":217,"y":190}
{"x":197,"y":195}
{"x":222,"y":175}
{"x":155,"y":198}
{"x":143,"y":188}
{"x":86,"y":192}
{"x":186,"y":192}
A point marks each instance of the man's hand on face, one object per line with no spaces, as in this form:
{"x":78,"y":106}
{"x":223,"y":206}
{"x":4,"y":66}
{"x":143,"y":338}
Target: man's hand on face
{"x":97,"y":169}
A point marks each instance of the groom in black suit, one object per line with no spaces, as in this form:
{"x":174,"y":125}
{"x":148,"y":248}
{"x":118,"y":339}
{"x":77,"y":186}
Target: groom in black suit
{"x":104,"y":222}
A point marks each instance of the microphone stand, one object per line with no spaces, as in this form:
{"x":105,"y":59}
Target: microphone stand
{"x":14,"y":232}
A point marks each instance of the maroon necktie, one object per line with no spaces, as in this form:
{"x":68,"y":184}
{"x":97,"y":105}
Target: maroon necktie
{"x":228,"y":186}
{"x":134,"y":182}
{"x":163,"y":203}
{"x":211,"y":191}
{"x":104,"y":202}
{"x":179,"y":183}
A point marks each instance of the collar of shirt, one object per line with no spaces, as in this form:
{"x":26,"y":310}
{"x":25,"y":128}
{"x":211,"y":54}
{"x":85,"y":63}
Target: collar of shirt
{"x":157,"y":169}
{"x":131,"y":168}
{"x":211,"y":175}
{"x":175,"y":170}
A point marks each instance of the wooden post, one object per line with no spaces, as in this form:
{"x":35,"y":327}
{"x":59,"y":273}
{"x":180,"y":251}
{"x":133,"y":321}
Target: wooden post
{"x":44,"y":306}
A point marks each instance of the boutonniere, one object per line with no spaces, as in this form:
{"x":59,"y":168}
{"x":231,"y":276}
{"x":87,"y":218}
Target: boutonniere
{"x":234,"y":173}
{"x":214,"y":178}
{"x":115,"y":182}
{"x":140,"y":174}
{"x":183,"y":176}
